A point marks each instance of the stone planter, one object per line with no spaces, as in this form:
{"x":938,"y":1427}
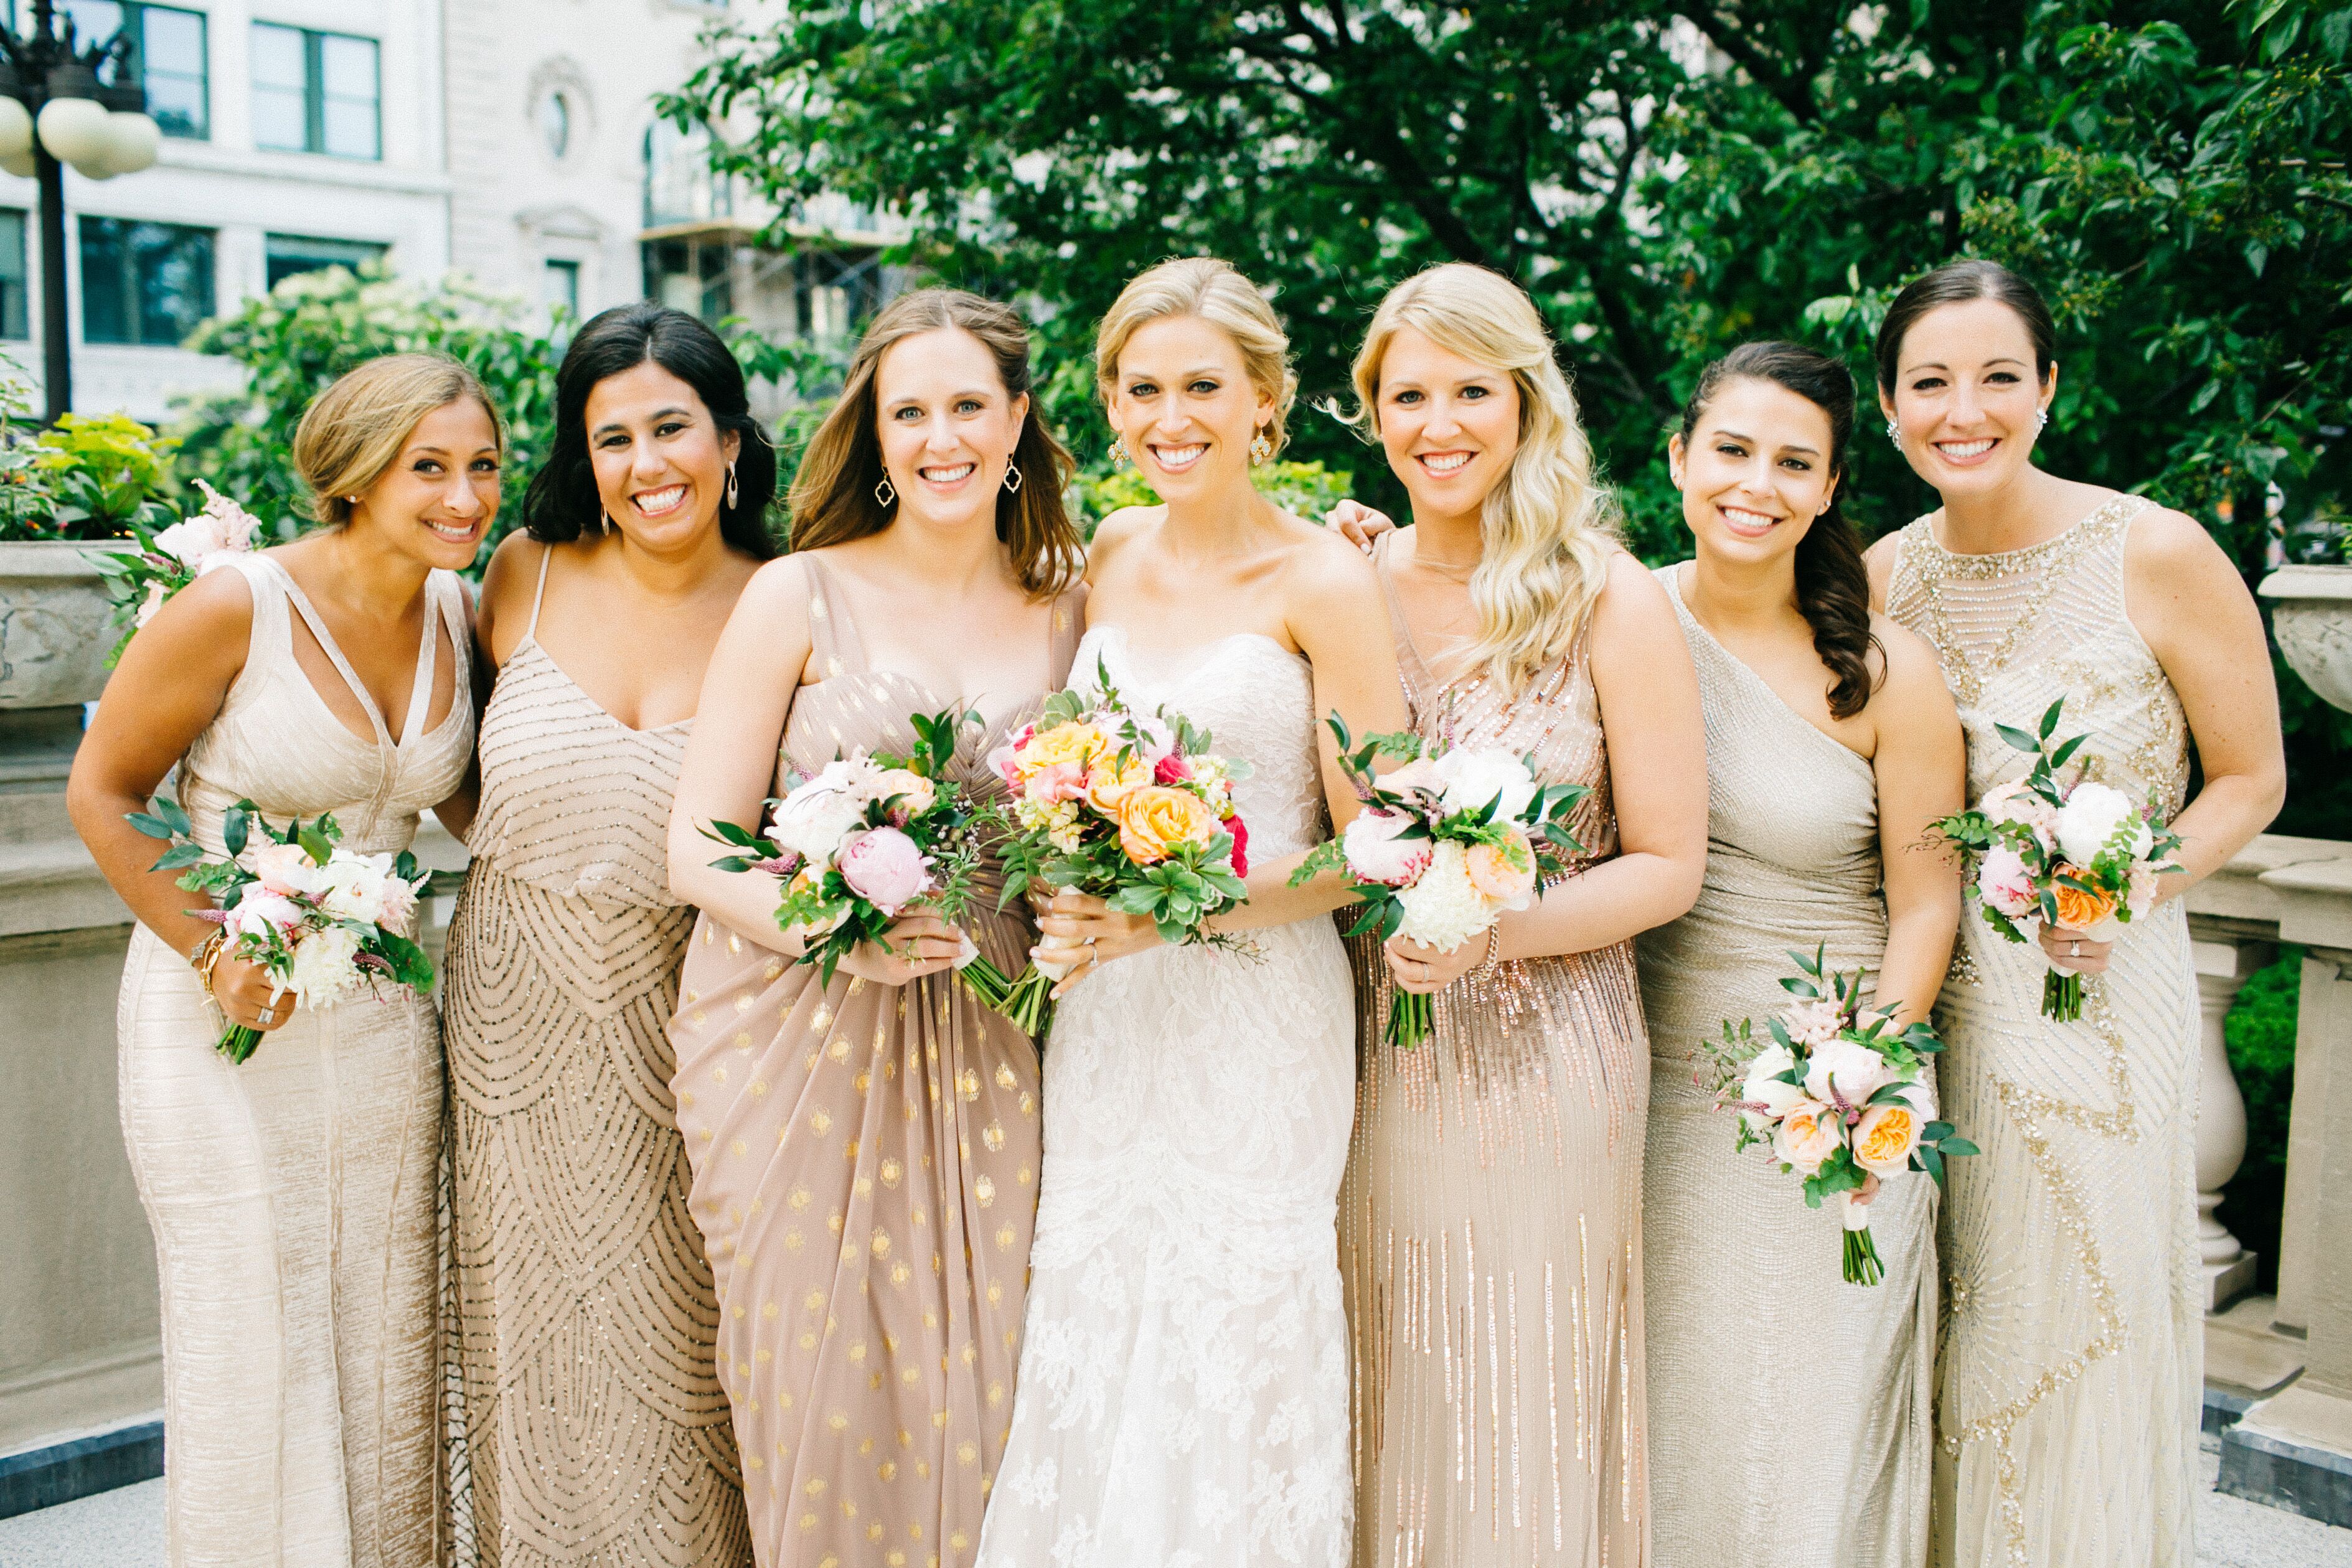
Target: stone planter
{"x":2311,"y":615}
{"x":56,"y":626}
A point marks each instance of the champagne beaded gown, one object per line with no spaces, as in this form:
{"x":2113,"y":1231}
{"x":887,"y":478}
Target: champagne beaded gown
{"x":1490,"y":1226}
{"x":2069,"y":1393}
{"x":292,"y":1195}
{"x":865,"y":1164}
{"x":588,"y":1420}
{"x":1742,"y":1281}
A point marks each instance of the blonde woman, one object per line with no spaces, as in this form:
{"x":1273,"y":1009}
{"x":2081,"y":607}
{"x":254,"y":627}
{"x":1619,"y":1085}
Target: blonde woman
{"x":291,"y":1196}
{"x":1490,"y":1229}
{"x":1184,"y":1378}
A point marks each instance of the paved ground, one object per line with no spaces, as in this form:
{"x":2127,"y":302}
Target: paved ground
{"x":125,"y":1530}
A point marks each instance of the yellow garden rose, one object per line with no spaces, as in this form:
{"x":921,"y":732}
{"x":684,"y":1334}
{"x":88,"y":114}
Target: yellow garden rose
{"x":1066,"y":743}
{"x":1155,"y":821}
{"x":1107,"y":783}
{"x":1884,"y":1137}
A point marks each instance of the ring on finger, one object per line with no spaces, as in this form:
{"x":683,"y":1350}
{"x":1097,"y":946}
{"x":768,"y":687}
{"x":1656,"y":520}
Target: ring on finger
{"x":267,"y":1015}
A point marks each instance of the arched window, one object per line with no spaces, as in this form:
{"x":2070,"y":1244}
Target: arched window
{"x":679,"y":186}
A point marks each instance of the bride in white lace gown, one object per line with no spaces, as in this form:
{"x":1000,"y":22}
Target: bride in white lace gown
{"x":1183,"y":1398}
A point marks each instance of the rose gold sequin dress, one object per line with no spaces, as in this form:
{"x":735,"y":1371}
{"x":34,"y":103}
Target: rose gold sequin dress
{"x":1740,"y":1279}
{"x":590,"y":1429}
{"x":1490,"y":1231}
{"x":866,"y":1168}
{"x":2069,"y":1392}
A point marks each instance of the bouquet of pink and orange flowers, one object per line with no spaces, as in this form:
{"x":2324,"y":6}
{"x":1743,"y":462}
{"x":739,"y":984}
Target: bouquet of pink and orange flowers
{"x":2079,"y":858}
{"x":1443,"y":847}
{"x":168,"y":560}
{"x":1131,"y":807}
{"x":1838,"y":1095}
{"x":865,"y":838}
{"x":326,"y":922}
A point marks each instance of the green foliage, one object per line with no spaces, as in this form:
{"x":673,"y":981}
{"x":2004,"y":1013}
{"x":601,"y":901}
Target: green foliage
{"x":103,"y":473}
{"x":1303,"y":490}
{"x":2260,"y":1032}
{"x":1667,"y":179}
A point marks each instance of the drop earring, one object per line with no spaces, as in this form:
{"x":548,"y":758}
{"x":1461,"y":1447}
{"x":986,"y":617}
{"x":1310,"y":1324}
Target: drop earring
{"x":731,"y":487}
{"x":885,"y":493}
{"x":2040,"y":418}
{"x":1013,"y":478}
{"x":1261,"y":449}
{"x":1117,"y":451}
{"x":1893,"y":433}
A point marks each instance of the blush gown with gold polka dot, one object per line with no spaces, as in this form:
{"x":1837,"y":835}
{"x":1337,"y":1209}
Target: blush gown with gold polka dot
{"x":866,"y":1170}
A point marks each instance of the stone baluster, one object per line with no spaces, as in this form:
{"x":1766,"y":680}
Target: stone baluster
{"x":2224,"y":962}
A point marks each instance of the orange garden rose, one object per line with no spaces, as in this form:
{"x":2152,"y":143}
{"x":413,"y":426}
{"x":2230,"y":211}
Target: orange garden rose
{"x":1884,"y":1137}
{"x":2078,"y":909}
{"x":1155,"y":821}
{"x":1107,"y":783}
{"x":1070,"y":743}
{"x":1504,"y":874}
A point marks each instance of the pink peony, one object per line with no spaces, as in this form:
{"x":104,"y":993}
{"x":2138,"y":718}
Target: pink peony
{"x":2004,"y":883}
{"x":1844,"y":1073}
{"x":1062,"y":781}
{"x":284,"y":869}
{"x":1376,"y":853}
{"x":2015,"y":802}
{"x":884,"y":867}
{"x":1421,"y":773}
{"x":1239,"y":830}
{"x":261,"y":914}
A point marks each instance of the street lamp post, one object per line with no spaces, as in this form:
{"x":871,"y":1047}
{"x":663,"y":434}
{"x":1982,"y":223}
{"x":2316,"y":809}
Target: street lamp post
{"x":54,"y":111}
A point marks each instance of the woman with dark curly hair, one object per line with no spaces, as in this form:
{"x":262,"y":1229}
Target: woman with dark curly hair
{"x":1830,"y":746}
{"x":591,"y":1423}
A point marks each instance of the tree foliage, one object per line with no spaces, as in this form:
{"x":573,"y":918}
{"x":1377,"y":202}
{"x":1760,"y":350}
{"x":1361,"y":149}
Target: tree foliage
{"x":1666,"y":178}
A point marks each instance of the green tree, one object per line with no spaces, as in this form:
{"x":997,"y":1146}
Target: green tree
{"x":1665,"y":179}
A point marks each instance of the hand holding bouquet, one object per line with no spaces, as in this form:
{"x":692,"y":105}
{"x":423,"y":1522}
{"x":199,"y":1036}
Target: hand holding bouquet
{"x":1131,"y":807}
{"x":168,"y":560}
{"x":2077,"y":858}
{"x":864,"y":841}
{"x":1443,"y":847}
{"x":1838,"y":1097}
{"x":324,"y":921}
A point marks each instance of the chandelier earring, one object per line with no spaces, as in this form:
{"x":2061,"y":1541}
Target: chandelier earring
{"x":885,"y":493}
{"x":1261,"y":449}
{"x":1011,"y":478}
{"x":1117,"y":450}
{"x":731,"y":487}
{"x":1893,"y":433}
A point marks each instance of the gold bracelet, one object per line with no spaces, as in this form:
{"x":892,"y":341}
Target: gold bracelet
{"x":1494,"y":949}
{"x":207,"y":958}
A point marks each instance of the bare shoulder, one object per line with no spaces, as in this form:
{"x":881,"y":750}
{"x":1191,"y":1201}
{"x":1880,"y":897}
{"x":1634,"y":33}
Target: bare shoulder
{"x":2169,"y":546}
{"x":1913,"y":676}
{"x":779,"y":591}
{"x":1632,"y":590}
{"x":513,"y":570}
{"x":1322,"y":566}
{"x":1121,"y":529}
{"x":217,"y":604}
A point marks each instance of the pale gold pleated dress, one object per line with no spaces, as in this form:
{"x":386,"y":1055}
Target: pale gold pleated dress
{"x":292,"y":1195}
{"x":2071,"y":1381}
{"x":590,"y":1426}
{"x":865,"y":1163}
{"x":1749,"y":1457}
{"x":1490,"y":1230}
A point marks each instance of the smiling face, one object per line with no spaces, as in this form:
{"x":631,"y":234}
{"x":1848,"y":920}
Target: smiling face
{"x":1755,"y":472}
{"x":945,"y":426}
{"x":1184,"y":405}
{"x":1966,"y":403}
{"x":437,"y":500}
{"x":1450,"y":426}
{"x":659,"y":457}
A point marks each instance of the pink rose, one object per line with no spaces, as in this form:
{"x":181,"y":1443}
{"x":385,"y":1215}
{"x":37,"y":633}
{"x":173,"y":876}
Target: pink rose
{"x":1171,"y":770}
{"x":1062,"y":781}
{"x":1239,"y":830}
{"x":883,"y":866}
{"x":2004,"y":883}
{"x":284,"y":869}
{"x":1002,"y":762}
{"x":1375,"y":853}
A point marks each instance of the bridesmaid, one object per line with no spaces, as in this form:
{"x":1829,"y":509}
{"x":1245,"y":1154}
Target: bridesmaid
{"x":292,"y":1196}
{"x":1832,"y":747}
{"x":1490,"y":1229}
{"x":865,"y":1152}
{"x":592,"y":1423}
{"x":2069,"y":1393}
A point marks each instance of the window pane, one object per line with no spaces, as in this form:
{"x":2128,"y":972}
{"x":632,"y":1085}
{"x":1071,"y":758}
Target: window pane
{"x":278,"y":120}
{"x":174,"y":64}
{"x":278,"y":58}
{"x":95,"y":21}
{"x":347,"y":67}
{"x":105,"y":292}
{"x":176,"y":280}
{"x":286,"y":254}
{"x":13,"y":316}
{"x":348,"y":117}
{"x":351,"y":129}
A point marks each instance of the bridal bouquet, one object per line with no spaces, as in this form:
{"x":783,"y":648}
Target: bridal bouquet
{"x":325,"y":921}
{"x":1129,"y":806}
{"x":166,"y":561}
{"x":1443,"y":847}
{"x":865,"y":838}
{"x":1838,"y":1095}
{"x":2079,"y":858}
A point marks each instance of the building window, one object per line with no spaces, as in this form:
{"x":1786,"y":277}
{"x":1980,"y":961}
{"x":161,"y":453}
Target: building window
{"x":560,"y":286}
{"x":167,"y":57}
{"x":143,"y":283}
{"x":692,"y":272}
{"x":555,"y":125}
{"x":286,"y":254}
{"x":316,"y":92}
{"x":679,"y":186}
{"x":13,"y":315}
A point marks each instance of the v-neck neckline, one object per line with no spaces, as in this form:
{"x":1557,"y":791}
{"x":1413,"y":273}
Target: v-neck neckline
{"x":1673,"y":576}
{"x":420,"y":695}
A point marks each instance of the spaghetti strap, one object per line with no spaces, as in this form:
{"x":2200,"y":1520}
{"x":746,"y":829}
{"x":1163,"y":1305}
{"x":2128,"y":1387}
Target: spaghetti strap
{"x":1417,"y":677}
{"x":327,"y":644}
{"x":546,"y":554}
{"x":833,"y":646}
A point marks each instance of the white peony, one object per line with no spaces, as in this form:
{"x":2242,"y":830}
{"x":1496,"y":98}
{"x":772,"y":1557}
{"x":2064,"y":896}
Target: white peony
{"x":323,"y":970}
{"x":223,"y":525}
{"x":1444,"y":908}
{"x":2096,"y":814}
{"x":1845,"y":1073}
{"x":1469,"y":778}
{"x":351,"y":886}
{"x":815,"y":818}
{"x":1764,"y":1087}
{"x":259,"y":912}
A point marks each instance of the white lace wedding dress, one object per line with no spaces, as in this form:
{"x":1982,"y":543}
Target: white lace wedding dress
{"x":1183,"y":1398}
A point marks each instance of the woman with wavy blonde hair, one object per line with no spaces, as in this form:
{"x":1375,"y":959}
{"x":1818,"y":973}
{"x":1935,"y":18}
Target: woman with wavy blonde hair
{"x":1490,"y":1223}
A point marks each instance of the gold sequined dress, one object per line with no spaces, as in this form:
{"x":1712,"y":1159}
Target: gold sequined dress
{"x":2069,"y":1390}
{"x":865,"y":1167}
{"x":1490,"y":1229}
{"x":590,"y":1426}
{"x":1740,"y":1279}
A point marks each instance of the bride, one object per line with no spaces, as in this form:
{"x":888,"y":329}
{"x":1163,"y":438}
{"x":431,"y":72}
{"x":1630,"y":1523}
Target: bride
{"x":1184,"y":1386}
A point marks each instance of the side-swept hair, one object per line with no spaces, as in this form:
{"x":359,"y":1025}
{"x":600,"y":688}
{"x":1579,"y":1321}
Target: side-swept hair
{"x":832,"y":498}
{"x":1956,"y":283}
{"x":1547,"y":526}
{"x":352,"y":433}
{"x":1210,"y":290}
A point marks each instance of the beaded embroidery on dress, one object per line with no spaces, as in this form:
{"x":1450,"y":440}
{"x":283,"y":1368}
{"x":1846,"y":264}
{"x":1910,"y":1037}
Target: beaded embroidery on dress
{"x":1183,"y":1392}
{"x":2070,"y":1377}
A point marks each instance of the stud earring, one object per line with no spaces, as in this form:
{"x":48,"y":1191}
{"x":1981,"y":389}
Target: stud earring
{"x":1013,"y":478}
{"x":1261,"y":449}
{"x":1893,"y":433}
{"x":2040,"y":418}
{"x":885,"y":493}
{"x":731,"y":487}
